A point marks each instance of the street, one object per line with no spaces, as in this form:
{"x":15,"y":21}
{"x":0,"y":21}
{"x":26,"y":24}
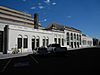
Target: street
{"x":81,"y":60}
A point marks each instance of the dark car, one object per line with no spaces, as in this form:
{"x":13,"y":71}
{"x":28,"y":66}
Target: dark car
{"x":41,"y":51}
{"x":56,"y":49}
{"x":51,"y":47}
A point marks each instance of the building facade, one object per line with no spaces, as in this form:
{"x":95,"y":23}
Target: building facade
{"x":18,"y":30}
{"x":86,"y":41}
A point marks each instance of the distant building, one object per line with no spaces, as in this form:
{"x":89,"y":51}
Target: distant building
{"x":96,"y":42}
{"x":86,"y":41}
{"x":19,"y":31}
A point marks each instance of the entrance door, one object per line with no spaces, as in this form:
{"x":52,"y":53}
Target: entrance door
{"x":1,"y":41}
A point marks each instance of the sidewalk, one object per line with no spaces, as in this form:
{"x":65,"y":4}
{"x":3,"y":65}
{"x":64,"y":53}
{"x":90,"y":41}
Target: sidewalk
{"x":80,"y":48}
{"x":6,"y":56}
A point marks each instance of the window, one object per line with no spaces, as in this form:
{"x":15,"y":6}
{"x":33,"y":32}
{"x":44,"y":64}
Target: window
{"x":67,"y":36}
{"x":78,"y":44}
{"x":44,"y":42}
{"x":71,"y":36}
{"x":77,"y":37}
{"x":37,"y":42}
{"x":55,"y":40}
{"x":33,"y":43}
{"x":47,"y":41}
{"x":80,"y":39}
{"x":75,"y":44}
{"x":59,"y":41}
{"x":19,"y":42}
{"x":74,"y":36}
{"x":90,"y":43}
{"x":62,"y":42}
{"x":84,"y":42}
{"x":67,"y":43}
{"x":25,"y":41}
{"x":71,"y":44}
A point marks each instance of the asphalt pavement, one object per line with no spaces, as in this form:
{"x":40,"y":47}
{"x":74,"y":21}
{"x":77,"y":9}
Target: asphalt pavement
{"x":81,"y":60}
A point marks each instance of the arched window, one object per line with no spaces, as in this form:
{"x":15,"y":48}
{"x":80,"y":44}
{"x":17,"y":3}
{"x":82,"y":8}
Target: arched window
{"x":78,"y":44}
{"x":37,"y":41}
{"x":62,"y":41}
{"x":25,"y":42}
{"x":19,"y":41}
{"x":59,"y":41}
{"x":77,"y":37}
{"x":74,"y":36}
{"x":47,"y":41}
{"x":80,"y":39}
{"x":75,"y":44}
{"x":33,"y":42}
{"x":71,"y":36}
{"x":55,"y":39}
{"x":44,"y":40}
{"x":67,"y":38}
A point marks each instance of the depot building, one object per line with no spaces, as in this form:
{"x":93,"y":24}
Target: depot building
{"x":20,"y":31}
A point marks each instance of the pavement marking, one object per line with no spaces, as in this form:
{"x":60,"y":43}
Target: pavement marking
{"x":4,"y":68}
{"x":34,"y":59}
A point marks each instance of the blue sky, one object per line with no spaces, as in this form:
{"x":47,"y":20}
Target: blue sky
{"x":81,"y":14}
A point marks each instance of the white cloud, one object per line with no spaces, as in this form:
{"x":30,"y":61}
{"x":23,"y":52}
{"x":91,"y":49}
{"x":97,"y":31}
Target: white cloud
{"x":39,"y":4}
{"x":24,"y":0}
{"x":41,"y":7}
{"x":54,"y":3}
{"x":45,"y":20}
{"x":47,"y":1}
{"x":69,"y":16}
{"x":33,"y":7}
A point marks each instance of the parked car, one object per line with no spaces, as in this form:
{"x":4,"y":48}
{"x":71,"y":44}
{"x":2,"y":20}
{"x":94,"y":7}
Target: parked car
{"x":51,"y":47}
{"x":40,"y":51}
{"x":56,"y":49}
